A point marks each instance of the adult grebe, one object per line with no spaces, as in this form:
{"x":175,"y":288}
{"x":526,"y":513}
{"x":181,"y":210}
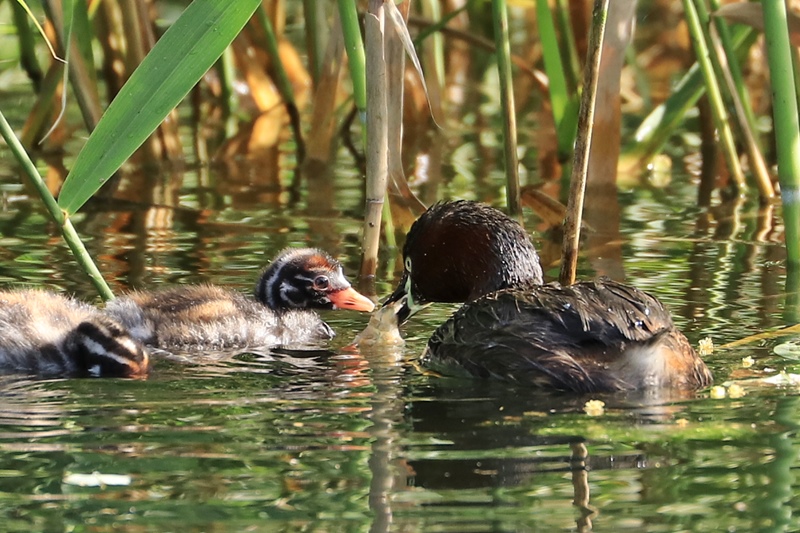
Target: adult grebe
{"x":589,"y":337}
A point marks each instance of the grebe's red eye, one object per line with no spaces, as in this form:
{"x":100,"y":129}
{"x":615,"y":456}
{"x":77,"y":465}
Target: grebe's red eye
{"x":321,"y":283}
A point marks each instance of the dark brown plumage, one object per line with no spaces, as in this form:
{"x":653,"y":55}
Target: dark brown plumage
{"x":592,"y":336}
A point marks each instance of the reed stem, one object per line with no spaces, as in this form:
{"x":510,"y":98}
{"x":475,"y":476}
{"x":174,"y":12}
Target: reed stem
{"x":786,"y":124}
{"x":65,"y":224}
{"x":739,"y":84}
{"x":726,"y":69}
{"x":316,"y":36}
{"x":721,"y":119}
{"x":657,"y":127}
{"x":503,"y":54}
{"x":27,"y":46}
{"x":562,"y":101}
{"x":80,"y":77}
{"x":282,"y":80}
{"x":583,"y":143}
{"x":377,"y":135}
{"x":354,"y":46}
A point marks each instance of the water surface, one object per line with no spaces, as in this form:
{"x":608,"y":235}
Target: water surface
{"x":348,"y":441}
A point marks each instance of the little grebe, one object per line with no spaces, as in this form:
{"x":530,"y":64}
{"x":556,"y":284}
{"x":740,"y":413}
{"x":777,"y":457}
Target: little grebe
{"x":589,"y":337}
{"x":205,"y":317}
{"x":51,"y":335}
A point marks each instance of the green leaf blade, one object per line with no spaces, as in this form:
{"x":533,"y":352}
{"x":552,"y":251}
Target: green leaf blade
{"x":174,"y":65}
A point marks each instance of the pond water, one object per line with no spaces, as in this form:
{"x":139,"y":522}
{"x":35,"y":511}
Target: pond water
{"x":348,"y":441}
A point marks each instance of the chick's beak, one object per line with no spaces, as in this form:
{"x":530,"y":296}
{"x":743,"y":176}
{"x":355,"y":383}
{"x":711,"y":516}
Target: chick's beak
{"x":139,"y":369}
{"x":350,"y":298}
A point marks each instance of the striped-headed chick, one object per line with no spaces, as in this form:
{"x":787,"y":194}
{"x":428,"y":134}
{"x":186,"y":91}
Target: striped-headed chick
{"x":51,"y":335}
{"x":206,"y":317}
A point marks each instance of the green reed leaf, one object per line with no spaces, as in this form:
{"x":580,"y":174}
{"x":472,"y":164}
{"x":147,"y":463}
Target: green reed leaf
{"x":177,"y":61}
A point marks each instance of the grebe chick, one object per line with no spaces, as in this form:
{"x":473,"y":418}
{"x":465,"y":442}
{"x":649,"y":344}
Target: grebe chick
{"x":52,"y":335}
{"x":589,"y":337}
{"x":206,"y":317}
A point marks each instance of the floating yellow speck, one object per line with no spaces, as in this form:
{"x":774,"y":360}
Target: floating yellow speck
{"x":718,"y":392}
{"x":748,"y":361}
{"x":594,"y":407}
{"x":736,"y":391}
{"x":681,"y":422}
{"x":705,"y":346}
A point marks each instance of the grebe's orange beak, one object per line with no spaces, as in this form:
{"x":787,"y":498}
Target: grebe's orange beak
{"x":350,"y":298}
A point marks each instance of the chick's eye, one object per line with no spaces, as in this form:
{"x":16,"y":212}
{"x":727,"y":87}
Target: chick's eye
{"x":321,"y":283}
